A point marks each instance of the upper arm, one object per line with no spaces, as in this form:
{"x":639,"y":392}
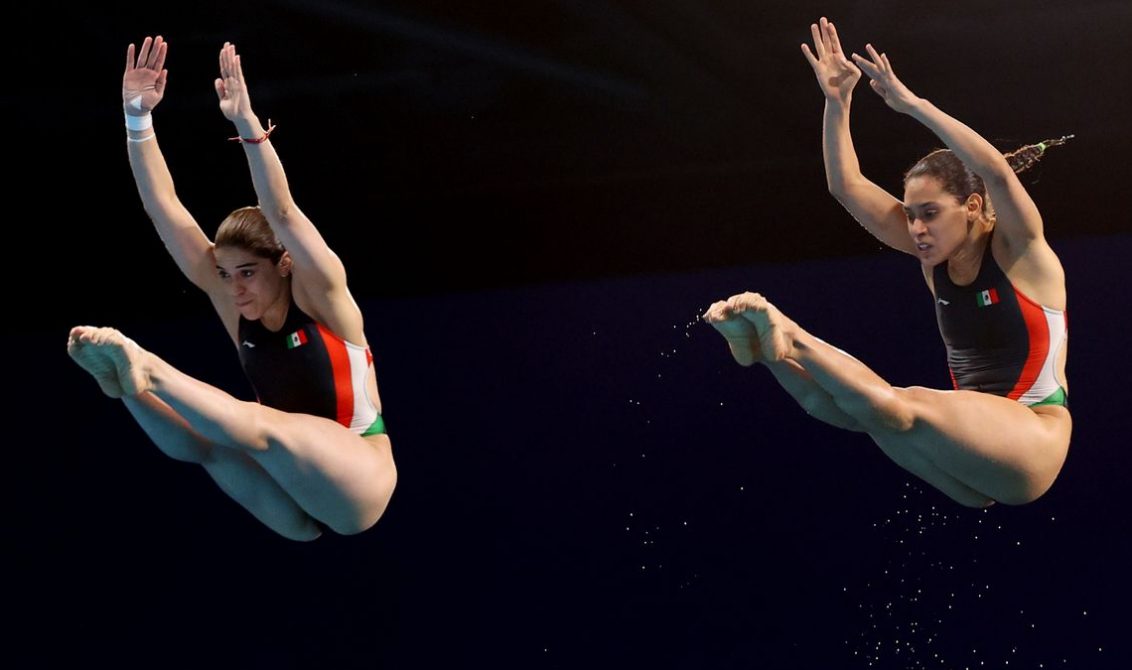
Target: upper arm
{"x":1016,"y":215}
{"x":314,"y":265}
{"x":185,"y":241}
{"x":878,"y":212}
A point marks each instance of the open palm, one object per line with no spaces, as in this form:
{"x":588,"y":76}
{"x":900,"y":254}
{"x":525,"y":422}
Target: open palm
{"x":836,"y":74}
{"x":143,"y":84}
{"x":231,"y":87}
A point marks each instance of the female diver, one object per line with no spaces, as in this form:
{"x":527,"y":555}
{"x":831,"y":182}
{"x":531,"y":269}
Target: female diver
{"x":313,"y":452}
{"x":1003,"y":433}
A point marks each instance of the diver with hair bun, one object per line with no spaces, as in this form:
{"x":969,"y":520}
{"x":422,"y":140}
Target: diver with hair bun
{"x":313,"y":452}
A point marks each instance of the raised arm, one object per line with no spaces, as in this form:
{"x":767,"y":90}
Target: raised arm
{"x":873,"y":207}
{"x":315,"y":266}
{"x":143,"y":87}
{"x":1017,"y":216}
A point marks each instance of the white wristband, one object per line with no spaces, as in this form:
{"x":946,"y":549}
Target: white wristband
{"x":140,"y":139}
{"x":139,"y":123}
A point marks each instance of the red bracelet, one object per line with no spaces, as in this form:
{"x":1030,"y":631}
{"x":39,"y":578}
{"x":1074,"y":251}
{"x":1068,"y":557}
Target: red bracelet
{"x":261,"y":140}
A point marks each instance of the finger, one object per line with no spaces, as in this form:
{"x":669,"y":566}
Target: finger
{"x":143,"y":53}
{"x":159,"y":62}
{"x":239,"y":70}
{"x":809,"y":55}
{"x":847,"y":64}
{"x":819,"y":47}
{"x":874,"y":55}
{"x":834,"y":40}
{"x":130,"y":57}
{"x":827,"y":41}
{"x":159,"y":85}
{"x":887,"y":65}
{"x":153,"y":52}
{"x":229,"y":66}
{"x":223,"y":53}
{"x":867,"y":66}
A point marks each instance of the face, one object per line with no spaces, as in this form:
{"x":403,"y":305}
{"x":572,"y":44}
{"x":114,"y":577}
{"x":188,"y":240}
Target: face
{"x":253,"y":282}
{"x":937,"y":220}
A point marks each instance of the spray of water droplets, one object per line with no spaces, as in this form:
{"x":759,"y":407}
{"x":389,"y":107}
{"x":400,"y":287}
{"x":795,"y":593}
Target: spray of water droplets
{"x":923,"y":607}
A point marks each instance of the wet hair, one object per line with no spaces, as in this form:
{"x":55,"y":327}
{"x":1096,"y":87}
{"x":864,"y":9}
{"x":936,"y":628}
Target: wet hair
{"x":958,"y":180}
{"x":247,"y":228}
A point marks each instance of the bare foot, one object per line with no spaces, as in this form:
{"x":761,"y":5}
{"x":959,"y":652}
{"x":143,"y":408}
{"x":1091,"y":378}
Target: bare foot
{"x":113,"y":359}
{"x":772,"y":325}
{"x":741,"y":335}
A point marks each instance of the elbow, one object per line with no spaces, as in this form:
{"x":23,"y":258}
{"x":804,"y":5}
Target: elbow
{"x":278,"y":212}
{"x":841,"y":185}
{"x":839,"y":191}
{"x":997,"y":172}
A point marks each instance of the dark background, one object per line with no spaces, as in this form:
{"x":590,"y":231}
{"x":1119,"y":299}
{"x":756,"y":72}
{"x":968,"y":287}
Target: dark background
{"x":534,"y":201}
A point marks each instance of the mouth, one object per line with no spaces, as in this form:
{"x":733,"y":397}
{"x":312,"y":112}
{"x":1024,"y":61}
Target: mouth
{"x":923,"y":247}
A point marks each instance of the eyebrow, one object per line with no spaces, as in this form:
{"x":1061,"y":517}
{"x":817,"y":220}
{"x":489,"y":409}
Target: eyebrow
{"x":241,"y":265}
{"x":922,"y":204}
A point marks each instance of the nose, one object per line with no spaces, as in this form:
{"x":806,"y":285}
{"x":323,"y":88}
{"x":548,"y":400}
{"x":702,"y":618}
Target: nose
{"x":917,"y":226}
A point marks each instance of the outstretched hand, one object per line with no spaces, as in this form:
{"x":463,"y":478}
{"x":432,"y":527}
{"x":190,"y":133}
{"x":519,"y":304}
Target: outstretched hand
{"x":883,"y":80}
{"x":231,"y":87}
{"x":836,"y":75}
{"x":143,"y":84}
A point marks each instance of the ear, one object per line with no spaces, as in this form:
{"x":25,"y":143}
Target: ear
{"x":285,"y":265}
{"x":974,"y":206}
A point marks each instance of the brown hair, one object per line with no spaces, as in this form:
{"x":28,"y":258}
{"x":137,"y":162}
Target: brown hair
{"x":958,"y":180}
{"x":247,"y":228}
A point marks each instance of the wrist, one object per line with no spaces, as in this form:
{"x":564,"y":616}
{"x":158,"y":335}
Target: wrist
{"x":253,"y":133}
{"x":917,"y":107}
{"x":839,"y":103}
{"x":138,"y":122}
{"x":248,"y":125}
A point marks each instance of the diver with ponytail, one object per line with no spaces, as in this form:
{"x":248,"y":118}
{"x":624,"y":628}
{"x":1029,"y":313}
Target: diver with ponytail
{"x":1002,"y":433}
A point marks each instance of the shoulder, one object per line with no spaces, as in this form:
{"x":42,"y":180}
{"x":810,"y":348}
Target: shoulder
{"x":1033,"y":268}
{"x":335,"y":309}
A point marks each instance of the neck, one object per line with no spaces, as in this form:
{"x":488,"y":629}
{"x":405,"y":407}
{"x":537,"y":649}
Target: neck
{"x":970,"y":253}
{"x":275,"y":315}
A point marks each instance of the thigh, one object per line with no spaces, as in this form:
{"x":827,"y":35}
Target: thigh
{"x":340,"y":478}
{"x":246,"y":482}
{"x":994,"y":445}
{"x":918,"y":464}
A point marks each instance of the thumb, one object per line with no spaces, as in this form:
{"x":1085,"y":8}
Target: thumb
{"x":159,"y":85}
{"x":219,"y":84}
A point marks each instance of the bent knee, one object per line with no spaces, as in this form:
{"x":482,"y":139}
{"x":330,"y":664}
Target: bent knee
{"x":364,"y":518}
{"x":302,"y":532}
{"x":891,"y":410}
{"x":975,"y":501}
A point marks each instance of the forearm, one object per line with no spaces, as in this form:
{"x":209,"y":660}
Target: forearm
{"x":151,"y":174}
{"x":268,"y":177}
{"x":841,"y":165}
{"x":975,"y":152}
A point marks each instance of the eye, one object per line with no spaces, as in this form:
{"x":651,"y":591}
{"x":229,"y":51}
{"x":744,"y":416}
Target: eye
{"x":222,"y":274}
{"x":246,"y":273}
